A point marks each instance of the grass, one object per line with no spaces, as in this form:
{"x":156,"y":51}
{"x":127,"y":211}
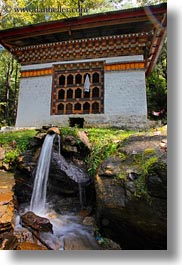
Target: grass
{"x":15,"y":143}
{"x":104,"y":143}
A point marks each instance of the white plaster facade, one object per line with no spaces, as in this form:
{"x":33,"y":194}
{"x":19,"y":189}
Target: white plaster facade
{"x":124,"y":98}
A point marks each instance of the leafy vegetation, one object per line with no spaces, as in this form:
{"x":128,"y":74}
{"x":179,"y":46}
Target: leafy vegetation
{"x":104,"y":143}
{"x":15,"y":143}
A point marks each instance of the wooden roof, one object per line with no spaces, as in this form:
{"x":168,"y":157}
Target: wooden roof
{"x":129,"y":21}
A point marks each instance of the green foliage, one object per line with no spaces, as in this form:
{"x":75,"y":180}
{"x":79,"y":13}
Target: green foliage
{"x":157,"y":85}
{"x":141,"y":189}
{"x":69,"y":131}
{"x":9,"y":83}
{"x":15,"y":143}
{"x":149,"y":2}
{"x":104,"y":143}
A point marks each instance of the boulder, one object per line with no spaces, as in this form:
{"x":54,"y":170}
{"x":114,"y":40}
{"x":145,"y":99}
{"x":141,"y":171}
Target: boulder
{"x":64,"y":177}
{"x":8,"y":242}
{"x":53,"y":130}
{"x":37,"y":223}
{"x":131,"y":192}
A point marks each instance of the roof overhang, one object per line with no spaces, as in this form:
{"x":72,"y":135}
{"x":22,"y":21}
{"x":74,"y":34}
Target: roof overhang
{"x":149,"y":19}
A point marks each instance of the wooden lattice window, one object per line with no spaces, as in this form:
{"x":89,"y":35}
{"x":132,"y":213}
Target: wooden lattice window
{"x":78,"y":79}
{"x":78,"y":93}
{"x":62,"y":80}
{"x":61,"y":94}
{"x":70,"y":79}
{"x":95,"y":92}
{"x":95,"y":78}
{"x":60,"y":108}
{"x":69,"y":95}
{"x":95,"y":107}
{"x":86,"y":107}
{"x":69,"y":108}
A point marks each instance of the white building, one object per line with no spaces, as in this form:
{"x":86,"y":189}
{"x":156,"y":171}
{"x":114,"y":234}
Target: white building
{"x":117,"y":50}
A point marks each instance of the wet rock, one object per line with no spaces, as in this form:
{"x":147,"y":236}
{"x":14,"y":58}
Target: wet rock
{"x":53,"y":130}
{"x":36,"y":222}
{"x":8,"y":242}
{"x":65,"y":175}
{"x":89,"y":220}
{"x":23,"y":235}
{"x":30,"y":246}
{"x":80,"y":242}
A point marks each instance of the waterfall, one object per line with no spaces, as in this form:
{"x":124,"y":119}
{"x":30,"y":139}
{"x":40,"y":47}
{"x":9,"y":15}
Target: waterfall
{"x":38,"y":198}
{"x":59,"y":143}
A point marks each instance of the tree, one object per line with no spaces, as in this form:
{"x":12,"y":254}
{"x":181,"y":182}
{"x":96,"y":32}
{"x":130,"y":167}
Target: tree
{"x":9,"y":83}
{"x":149,"y":2}
{"x":157,"y":86}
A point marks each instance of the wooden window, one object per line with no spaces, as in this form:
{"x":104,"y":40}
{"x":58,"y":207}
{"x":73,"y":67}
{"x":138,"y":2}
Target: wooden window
{"x":69,"y":108}
{"x":95,"y":78}
{"x":61,"y":94}
{"x":62,"y":80}
{"x":70,"y":79}
{"x":78,"y":79}
{"x":60,"y":108}
{"x":95,"y":92}
{"x":78,"y":93}
{"x":86,"y":107}
{"x":77,"y":106}
{"x":95,"y":107}
{"x":70,"y":93}
{"x":73,"y":98}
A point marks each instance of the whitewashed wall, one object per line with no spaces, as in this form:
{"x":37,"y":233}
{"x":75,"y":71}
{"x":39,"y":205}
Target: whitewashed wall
{"x":125,"y":93}
{"x":34,"y":101}
{"x":124,"y":98}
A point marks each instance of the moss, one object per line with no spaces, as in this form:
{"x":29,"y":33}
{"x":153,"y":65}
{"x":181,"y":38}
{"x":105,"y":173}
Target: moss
{"x":122,"y":175}
{"x":141,"y":188}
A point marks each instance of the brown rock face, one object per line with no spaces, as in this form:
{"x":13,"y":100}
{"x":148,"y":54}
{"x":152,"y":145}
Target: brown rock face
{"x":9,"y":242}
{"x":30,"y":246}
{"x":6,"y":201}
{"x":36,"y":222}
{"x":53,"y":130}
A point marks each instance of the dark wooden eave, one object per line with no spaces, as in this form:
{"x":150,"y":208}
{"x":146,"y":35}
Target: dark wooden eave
{"x":135,"y":20}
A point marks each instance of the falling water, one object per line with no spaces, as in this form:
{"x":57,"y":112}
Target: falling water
{"x":59,"y":143}
{"x":38,"y":199}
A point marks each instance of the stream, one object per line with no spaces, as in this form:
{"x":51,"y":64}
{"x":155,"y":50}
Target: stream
{"x":69,"y":232}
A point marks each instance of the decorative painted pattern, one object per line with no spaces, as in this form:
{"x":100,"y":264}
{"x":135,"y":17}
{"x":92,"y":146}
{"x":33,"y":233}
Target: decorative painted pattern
{"x":99,"y":47}
{"x":124,"y":66}
{"x":37,"y":72}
